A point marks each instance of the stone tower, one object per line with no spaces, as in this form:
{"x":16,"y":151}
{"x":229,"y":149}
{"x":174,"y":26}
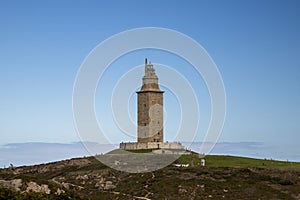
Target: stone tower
{"x":150,"y":108}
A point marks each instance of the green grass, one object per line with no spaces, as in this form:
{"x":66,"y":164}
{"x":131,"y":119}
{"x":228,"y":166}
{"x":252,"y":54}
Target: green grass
{"x":234,"y":161}
{"x":193,"y":159}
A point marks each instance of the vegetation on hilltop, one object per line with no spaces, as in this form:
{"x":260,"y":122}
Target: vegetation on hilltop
{"x":224,"y":177}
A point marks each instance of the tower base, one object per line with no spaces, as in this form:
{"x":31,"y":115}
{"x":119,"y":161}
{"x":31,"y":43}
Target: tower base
{"x":151,"y":145}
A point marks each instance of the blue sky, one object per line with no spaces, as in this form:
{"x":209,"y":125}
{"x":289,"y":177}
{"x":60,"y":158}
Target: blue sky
{"x":255,"y":45}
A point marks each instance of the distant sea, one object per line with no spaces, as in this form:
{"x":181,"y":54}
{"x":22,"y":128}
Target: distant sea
{"x":20,"y":154}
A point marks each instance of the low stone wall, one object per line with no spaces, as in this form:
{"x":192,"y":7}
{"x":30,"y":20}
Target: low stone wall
{"x":150,"y":145}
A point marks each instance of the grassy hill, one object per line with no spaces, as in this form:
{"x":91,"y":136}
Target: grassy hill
{"x":235,"y":161}
{"x":223,"y":177}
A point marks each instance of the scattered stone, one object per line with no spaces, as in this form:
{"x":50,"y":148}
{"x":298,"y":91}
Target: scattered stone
{"x":12,"y":184}
{"x":78,"y":162}
{"x":109,"y":186}
{"x":84,"y":177}
{"x":59,"y":191}
{"x":65,"y":185}
{"x":34,"y":187}
{"x":182,"y":190}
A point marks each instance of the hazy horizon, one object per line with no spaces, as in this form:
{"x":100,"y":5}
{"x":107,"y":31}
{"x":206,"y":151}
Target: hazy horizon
{"x":20,"y":154}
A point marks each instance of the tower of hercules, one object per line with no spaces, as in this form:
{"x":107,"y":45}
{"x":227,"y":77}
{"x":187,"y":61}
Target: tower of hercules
{"x":150,"y":108}
{"x":150,"y":130}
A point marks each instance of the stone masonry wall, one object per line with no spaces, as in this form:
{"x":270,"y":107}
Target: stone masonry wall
{"x":150,"y":145}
